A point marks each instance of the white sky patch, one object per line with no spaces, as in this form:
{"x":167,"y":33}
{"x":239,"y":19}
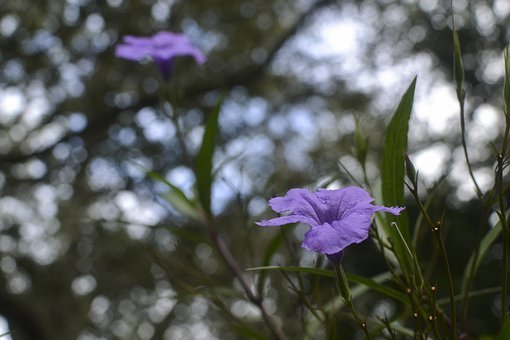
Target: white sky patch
{"x":501,"y":8}
{"x":336,"y":40}
{"x":493,"y":66}
{"x":439,"y":110}
{"x":338,"y":37}
{"x":431,"y":162}
{"x":12,"y":103}
{"x":83,"y":285}
{"x":138,"y":210}
{"x":182,"y":177}
{"x":222,"y":193}
{"x":487,"y":123}
{"x":466,"y":189}
{"x":4,"y":328}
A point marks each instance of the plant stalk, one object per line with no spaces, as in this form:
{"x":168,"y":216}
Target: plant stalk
{"x":344,"y":290}
{"x":234,"y":267}
{"x":439,"y":239}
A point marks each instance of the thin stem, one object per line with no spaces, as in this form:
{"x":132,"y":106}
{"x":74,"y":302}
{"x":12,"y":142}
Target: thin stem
{"x":436,"y":230}
{"x":464,"y":146}
{"x":504,"y":283}
{"x":439,"y":239}
{"x":471,"y":274}
{"x":307,"y":303}
{"x":343,"y":289}
{"x":503,"y":219}
{"x":459,"y":79}
{"x":234,"y":267}
{"x":169,"y":106}
{"x":504,"y":227}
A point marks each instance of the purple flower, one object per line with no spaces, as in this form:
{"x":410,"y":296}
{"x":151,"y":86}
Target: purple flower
{"x":161,"y":47}
{"x":337,"y":218}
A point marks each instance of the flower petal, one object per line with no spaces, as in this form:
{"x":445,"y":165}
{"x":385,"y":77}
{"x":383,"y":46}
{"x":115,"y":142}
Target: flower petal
{"x":167,"y":38}
{"x":339,"y":202}
{"x":392,"y":210}
{"x":349,"y":194}
{"x":278,"y":221}
{"x":132,"y":52}
{"x":338,"y":218}
{"x":138,"y":41}
{"x":299,"y":202}
{"x":354,"y":227}
{"x":325,"y":239}
{"x":162,"y":47}
{"x":171,"y":51}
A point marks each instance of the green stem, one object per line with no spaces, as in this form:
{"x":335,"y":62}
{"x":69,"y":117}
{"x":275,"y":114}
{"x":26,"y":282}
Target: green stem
{"x":503,"y":219}
{"x":439,"y":239}
{"x":504,"y":228}
{"x":236,"y":270}
{"x":472,"y":270}
{"x":345,"y":293}
{"x":464,"y":146}
{"x":170,"y":107}
{"x":436,"y":230}
{"x":504,"y":279}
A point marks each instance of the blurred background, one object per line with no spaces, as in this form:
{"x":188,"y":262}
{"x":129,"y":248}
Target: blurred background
{"x":89,"y":246}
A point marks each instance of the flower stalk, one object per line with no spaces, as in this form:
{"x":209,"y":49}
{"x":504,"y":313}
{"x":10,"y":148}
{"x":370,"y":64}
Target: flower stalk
{"x":501,"y":164}
{"x":458,"y":73}
{"x":503,"y":221}
{"x":345,"y":292}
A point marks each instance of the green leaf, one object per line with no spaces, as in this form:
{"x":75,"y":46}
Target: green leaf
{"x":247,"y":333}
{"x":203,"y":166}
{"x":506,"y":85}
{"x":361,"y":143}
{"x":395,"y":147}
{"x":176,"y":197}
{"x":370,"y":283}
{"x":458,"y":67}
{"x":312,"y":324}
{"x":308,"y":270}
{"x":270,"y":251}
{"x":485,"y":244}
{"x":504,"y":333}
{"x":185,"y":207}
{"x":392,"y":175}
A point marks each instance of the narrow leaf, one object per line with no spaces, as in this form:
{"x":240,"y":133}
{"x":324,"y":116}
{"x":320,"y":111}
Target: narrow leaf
{"x":176,"y":197}
{"x":458,"y":67}
{"x":370,"y":283}
{"x":504,"y":333}
{"x":158,"y":177}
{"x":307,"y":270}
{"x":313,"y":325}
{"x":485,"y":245}
{"x":203,"y":166}
{"x":506,"y":85}
{"x":271,"y":249}
{"x":393,"y":165}
{"x":361,"y":143}
{"x":389,"y":292}
{"x":247,"y":333}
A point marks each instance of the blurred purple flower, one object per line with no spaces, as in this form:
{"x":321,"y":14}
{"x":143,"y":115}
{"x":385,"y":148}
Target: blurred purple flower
{"x":162,"y":47}
{"x":337,"y":218}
